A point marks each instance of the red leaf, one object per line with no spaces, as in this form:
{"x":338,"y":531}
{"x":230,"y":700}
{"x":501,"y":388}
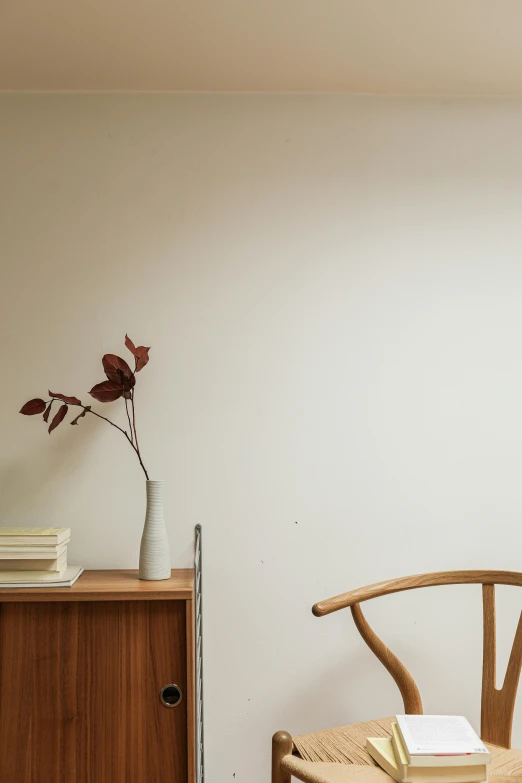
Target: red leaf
{"x":47,"y":412}
{"x":130,"y":345}
{"x":142,"y":357}
{"x":64,"y":398}
{"x":33,"y":407}
{"x":141,"y":353}
{"x":59,"y":416}
{"x":107,"y":391}
{"x":118,"y":371}
{"x":82,"y":414}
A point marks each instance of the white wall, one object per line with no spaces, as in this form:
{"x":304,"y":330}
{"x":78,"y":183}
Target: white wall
{"x":332,"y":289}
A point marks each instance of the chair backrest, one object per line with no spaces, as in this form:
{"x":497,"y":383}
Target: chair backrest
{"x":497,"y":706}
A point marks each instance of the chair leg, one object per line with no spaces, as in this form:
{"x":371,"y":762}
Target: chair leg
{"x":281,"y":746}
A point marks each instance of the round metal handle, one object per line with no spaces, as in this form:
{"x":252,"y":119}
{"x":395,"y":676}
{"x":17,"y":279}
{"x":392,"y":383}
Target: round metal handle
{"x":171,"y":695}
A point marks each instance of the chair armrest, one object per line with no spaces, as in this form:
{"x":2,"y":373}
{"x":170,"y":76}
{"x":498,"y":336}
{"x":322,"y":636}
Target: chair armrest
{"x":412,"y":582}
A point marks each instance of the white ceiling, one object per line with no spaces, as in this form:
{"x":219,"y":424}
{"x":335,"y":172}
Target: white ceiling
{"x":362,"y":46}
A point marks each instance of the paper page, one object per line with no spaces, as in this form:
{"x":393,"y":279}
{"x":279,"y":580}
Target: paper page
{"x":439,"y":735}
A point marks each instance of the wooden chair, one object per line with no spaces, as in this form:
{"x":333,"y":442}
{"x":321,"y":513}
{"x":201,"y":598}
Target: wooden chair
{"x":339,"y":755}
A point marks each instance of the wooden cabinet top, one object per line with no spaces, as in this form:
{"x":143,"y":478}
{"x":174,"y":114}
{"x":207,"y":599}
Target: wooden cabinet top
{"x":110,"y":586}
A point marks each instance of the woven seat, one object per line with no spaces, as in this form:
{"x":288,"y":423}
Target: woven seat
{"x":506,"y":767}
{"x":340,"y":756}
{"x":318,"y":772}
{"x":345,"y":745}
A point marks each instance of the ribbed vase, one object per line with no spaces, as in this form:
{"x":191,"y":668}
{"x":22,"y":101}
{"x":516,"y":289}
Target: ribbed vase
{"x":154,"y":549}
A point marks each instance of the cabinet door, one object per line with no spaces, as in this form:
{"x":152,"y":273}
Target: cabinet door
{"x":80,"y":692}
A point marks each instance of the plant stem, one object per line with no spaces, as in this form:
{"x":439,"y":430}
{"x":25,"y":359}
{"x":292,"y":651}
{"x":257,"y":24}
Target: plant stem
{"x":128,"y":418}
{"x":88,"y":409}
{"x":126,"y":435}
{"x":134,"y":422}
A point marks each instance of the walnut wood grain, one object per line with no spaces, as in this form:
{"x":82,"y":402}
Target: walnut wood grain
{"x":109,"y":586}
{"x":412,"y":582}
{"x":191,"y":687}
{"x":498,"y":705}
{"x":405,"y":682}
{"x":80,"y":685}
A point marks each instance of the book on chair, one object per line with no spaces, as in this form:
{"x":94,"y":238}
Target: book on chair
{"x":439,"y":741}
{"x":431,"y":749}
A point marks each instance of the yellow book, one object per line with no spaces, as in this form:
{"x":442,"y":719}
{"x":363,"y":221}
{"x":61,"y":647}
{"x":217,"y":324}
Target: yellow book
{"x":18,"y":579}
{"x":56,"y":564}
{"x":450,"y":773}
{"x":28,"y":553}
{"x":8,"y":551}
{"x":14,"y":578}
{"x":381,"y":751}
{"x":46,"y":536}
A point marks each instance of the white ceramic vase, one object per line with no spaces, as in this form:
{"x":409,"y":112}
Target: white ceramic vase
{"x":154,"y":549}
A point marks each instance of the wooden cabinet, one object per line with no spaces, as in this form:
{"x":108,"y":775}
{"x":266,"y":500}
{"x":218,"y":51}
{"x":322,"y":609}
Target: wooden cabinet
{"x":81,"y":675}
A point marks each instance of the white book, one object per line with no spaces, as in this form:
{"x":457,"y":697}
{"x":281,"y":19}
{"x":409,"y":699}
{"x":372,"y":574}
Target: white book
{"x":50,"y":536}
{"x":23,"y":549}
{"x":58,"y":564}
{"x":441,"y":740}
{"x":29,"y":554}
{"x":21,"y":579}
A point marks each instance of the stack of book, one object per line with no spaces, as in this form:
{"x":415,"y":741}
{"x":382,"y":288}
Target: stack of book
{"x":35,"y":556}
{"x":431,"y":749}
